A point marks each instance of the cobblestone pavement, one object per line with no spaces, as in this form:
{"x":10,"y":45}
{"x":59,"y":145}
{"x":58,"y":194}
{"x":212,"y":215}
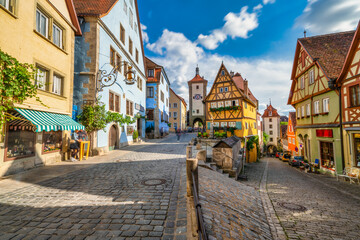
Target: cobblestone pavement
{"x":136,"y":196}
{"x":332,"y":209}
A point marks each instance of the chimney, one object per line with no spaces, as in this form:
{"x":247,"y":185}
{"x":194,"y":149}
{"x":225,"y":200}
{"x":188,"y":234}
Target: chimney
{"x":304,"y":33}
{"x":231,"y":73}
{"x":246,"y":91}
{"x":197,"y":70}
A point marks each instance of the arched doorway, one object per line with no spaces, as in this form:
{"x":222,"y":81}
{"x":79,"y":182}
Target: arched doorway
{"x":271,"y":150}
{"x":198,"y":124}
{"x":113,"y":137}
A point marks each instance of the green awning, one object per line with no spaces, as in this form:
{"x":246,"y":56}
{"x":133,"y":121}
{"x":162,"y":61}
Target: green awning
{"x":46,"y":121}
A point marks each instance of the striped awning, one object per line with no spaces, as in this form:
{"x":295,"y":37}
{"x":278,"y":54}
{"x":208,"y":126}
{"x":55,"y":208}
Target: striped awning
{"x":46,"y":121}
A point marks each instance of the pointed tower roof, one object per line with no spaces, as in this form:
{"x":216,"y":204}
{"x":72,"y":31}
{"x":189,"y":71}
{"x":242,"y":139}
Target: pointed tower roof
{"x":197,"y":78}
{"x":272,"y":110}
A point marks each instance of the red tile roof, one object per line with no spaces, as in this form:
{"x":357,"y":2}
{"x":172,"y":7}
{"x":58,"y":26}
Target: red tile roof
{"x":271,"y":109}
{"x":183,"y":100}
{"x":292,"y":117}
{"x":239,"y":82}
{"x":93,"y":7}
{"x":197,"y":78}
{"x":330,"y":50}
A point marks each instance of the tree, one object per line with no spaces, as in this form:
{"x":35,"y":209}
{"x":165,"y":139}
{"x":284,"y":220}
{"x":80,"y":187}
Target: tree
{"x":17,"y":83}
{"x":265,"y":141}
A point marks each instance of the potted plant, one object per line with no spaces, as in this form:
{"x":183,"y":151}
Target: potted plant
{"x":135,"y":136}
{"x":150,"y":132}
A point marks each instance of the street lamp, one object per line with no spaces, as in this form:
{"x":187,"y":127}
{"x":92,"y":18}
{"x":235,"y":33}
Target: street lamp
{"x":107,"y":78}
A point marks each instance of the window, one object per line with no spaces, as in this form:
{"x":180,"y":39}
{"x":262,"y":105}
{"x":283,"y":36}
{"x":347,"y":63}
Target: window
{"x":167,"y":102}
{"x":131,"y":19}
{"x":129,"y":107}
{"x":16,"y":137}
{"x":271,"y":133}
{"x":117,"y":103}
{"x":270,"y":113}
{"x":298,"y":113}
{"x":125,"y":69}
{"x":150,"y":92}
{"x":125,"y":7}
{"x":162,"y":79}
{"x":111,"y":101}
{"x":213,"y":105}
{"x":311,"y":76}
{"x":175,"y":125}
{"x":151,"y":73}
{"x":137,"y":55}
{"x":316,"y":107}
{"x":175,"y":114}
{"x":162,"y":96}
{"x":226,"y":89}
{"x":118,"y":62}
{"x":326,"y":105}
{"x":354,"y":96}
{"x":327,"y":154}
{"x":169,"y":114}
{"x":221,"y":90}
{"x":271,"y":139}
{"x":42,"y":78}
{"x":302,"y":111}
{"x":227,"y":103}
{"x":175,"y":105}
{"x":131,"y":3}
{"x":135,"y":27}
{"x":197,"y":111}
{"x":220,"y":104}
{"x":52,"y":141}
{"x":232,"y":124}
{"x":235,"y":103}
{"x":246,"y":125}
{"x":140,"y":83}
{"x":270,"y":126}
{"x":9,"y":5}
{"x":270,"y":119}
{"x":112,"y":57}
{"x":302,"y":83}
{"x":293,"y":140}
{"x":130,"y":46}
{"x":308,"y":112}
{"x":42,"y":23}
{"x":197,"y":86}
{"x":150,"y":114}
{"x":57,"y":84}
{"x":122,"y":34}
{"x":245,"y":104}
{"x":222,"y":73}
{"x":57,"y":36}
{"x":223,"y":124}
{"x":167,"y":88}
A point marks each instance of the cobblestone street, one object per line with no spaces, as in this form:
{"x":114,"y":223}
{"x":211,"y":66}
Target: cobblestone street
{"x":332,"y":209}
{"x":136,"y":195}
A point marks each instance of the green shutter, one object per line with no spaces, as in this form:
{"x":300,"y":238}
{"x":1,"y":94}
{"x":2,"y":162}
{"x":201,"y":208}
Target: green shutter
{"x":208,"y":125}
{"x":238,"y":125}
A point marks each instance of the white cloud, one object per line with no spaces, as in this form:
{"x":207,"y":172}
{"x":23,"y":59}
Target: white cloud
{"x":144,"y":34}
{"x":267,"y":78}
{"x":257,"y":7}
{"x":268,"y":1}
{"x":236,"y":25}
{"x":327,"y":16}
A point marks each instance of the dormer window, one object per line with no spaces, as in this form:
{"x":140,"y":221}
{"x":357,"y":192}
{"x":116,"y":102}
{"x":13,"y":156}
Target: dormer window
{"x":222,"y":73}
{"x":270,"y":113}
{"x":151,"y":73}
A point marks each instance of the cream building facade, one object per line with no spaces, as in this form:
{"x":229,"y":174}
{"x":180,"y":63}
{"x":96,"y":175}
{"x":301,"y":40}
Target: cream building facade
{"x":177,"y":112}
{"x":41,"y":33}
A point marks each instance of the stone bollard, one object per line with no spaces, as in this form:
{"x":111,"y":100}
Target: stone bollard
{"x":188,"y":152}
{"x":201,"y":155}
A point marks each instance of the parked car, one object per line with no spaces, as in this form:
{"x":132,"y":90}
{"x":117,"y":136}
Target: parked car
{"x":280,"y":155}
{"x":277,"y":155}
{"x":296,"y":161}
{"x":286,"y":157}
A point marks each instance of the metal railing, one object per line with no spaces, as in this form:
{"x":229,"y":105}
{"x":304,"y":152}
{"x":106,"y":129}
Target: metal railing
{"x":199,"y":218}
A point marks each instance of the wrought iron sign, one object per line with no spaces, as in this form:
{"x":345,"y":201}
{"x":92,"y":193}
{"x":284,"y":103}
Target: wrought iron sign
{"x":108,"y":78}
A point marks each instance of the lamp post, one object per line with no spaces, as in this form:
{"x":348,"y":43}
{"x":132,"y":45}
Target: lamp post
{"x":107,"y":78}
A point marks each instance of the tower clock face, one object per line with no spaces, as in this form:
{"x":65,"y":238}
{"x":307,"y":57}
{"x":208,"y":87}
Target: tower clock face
{"x":197,"y":97}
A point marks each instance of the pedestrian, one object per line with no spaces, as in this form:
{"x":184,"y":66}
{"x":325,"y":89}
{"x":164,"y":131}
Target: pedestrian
{"x":178,"y":134}
{"x":74,"y":146}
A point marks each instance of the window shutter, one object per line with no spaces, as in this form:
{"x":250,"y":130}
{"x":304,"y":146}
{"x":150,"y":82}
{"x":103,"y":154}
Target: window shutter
{"x":238,"y":125}
{"x":208,"y":125}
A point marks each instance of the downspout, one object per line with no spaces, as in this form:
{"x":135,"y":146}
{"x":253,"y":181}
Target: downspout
{"x":333,"y":86}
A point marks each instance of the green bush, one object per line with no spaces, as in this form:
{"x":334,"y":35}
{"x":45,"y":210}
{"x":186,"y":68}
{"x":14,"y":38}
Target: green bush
{"x":135,"y":135}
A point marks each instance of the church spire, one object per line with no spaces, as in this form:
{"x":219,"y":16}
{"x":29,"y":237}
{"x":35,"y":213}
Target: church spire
{"x":197,"y":70}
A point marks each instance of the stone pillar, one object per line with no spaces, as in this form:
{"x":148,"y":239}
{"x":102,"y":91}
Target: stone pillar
{"x":191,"y":166}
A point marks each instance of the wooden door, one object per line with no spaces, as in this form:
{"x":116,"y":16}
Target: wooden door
{"x":113,"y":138}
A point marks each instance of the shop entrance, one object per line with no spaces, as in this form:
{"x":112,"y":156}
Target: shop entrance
{"x":327,"y":155}
{"x":357,"y":149}
{"x":113,"y":138}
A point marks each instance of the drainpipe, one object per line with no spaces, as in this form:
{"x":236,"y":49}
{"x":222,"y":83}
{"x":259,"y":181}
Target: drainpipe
{"x":333,"y":86}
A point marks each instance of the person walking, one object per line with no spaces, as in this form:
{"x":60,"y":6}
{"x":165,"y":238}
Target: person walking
{"x":178,"y":134}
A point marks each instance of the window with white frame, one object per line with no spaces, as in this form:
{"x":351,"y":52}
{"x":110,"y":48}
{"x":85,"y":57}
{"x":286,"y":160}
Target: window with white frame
{"x":293,"y":140}
{"x":9,"y":5}
{"x":131,"y":18}
{"x":169,"y":114}
{"x":227,"y":103}
{"x":311,"y":76}
{"x":135,"y":27}
{"x":302,"y":82}
{"x":271,"y":132}
{"x":220,"y":104}
{"x":42,"y":76}
{"x":270,"y":126}
{"x":223,"y":124}
{"x":308,"y":112}
{"x":302,"y":111}
{"x":57,"y":36}
{"x":175,"y":105}
{"x":125,"y":7}
{"x":175,"y":125}
{"x":57,"y":84}
{"x":221,"y":90}
{"x":42,"y":23}
{"x":316,"y":107}
{"x":298,"y":112}
{"x":245,"y":104}
{"x":175,"y":114}
{"x":235,"y":102}
{"x":213,"y":105}
{"x":216,"y":124}
{"x":326,"y":105}
{"x":289,"y":139}
{"x":232,"y":124}
{"x":226,"y":89}
{"x":150,"y":72}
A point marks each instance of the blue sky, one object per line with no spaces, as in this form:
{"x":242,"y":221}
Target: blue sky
{"x":256,"y":38}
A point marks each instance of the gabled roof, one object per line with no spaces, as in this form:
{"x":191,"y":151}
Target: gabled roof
{"x":94,"y":7}
{"x":239,"y":82}
{"x":180,"y":98}
{"x":149,"y":64}
{"x":197,"y":79}
{"x":350,"y":55}
{"x":271,"y":109}
{"x":292,"y":117}
{"x":283,"y":131}
{"x":228,"y":142}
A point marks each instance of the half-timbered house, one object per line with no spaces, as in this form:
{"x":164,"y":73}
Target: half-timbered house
{"x":230,"y":104}
{"x":317,"y":61}
{"x":349,"y":80}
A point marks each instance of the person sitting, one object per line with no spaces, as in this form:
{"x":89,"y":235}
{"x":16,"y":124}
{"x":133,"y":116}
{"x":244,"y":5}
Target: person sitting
{"x":74,"y":146}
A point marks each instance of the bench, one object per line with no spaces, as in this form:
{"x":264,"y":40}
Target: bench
{"x":347,"y":174}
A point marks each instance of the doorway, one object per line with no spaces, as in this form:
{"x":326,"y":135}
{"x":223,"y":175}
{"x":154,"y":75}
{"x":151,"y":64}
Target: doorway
{"x":113,"y":138}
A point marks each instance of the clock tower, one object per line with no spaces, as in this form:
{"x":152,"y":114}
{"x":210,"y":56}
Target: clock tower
{"x":197,"y":94}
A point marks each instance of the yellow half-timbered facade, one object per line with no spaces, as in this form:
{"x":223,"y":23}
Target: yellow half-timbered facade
{"x":230,"y":105}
